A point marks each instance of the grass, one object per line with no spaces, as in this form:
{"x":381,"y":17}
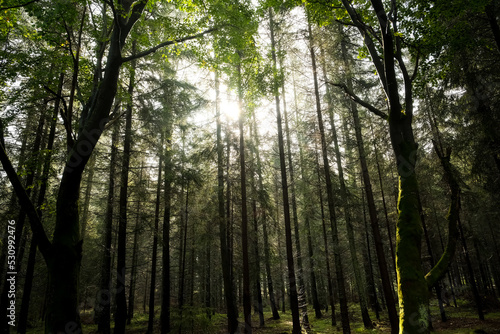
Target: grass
{"x":462,"y":320}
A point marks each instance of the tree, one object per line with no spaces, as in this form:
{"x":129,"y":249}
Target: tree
{"x":412,"y":284}
{"x":63,"y":253}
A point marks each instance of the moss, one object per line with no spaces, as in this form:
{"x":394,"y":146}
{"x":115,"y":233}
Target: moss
{"x":412,"y":287}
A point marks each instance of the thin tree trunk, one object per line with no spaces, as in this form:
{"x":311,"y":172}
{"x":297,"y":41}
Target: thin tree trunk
{"x":231,"y":307}
{"x":23,"y":315}
{"x":344,"y":313}
{"x":247,"y":298}
{"x":382,"y":262}
{"x":88,"y":192}
{"x":121,"y":301}
{"x":470,"y":271}
{"x":155,"y":241}
{"x":294,"y":303}
{"x":165,"y":276}
{"x":360,"y":286}
{"x":267,"y":253}
{"x":258,"y":307}
{"x":386,"y":214}
{"x":133,"y":271}
{"x":325,"y":238}
{"x":103,"y":298}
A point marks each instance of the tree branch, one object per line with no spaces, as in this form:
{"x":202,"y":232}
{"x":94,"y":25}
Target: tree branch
{"x":161,"y":45}
{"x":26,"y":204}
{"x":436,"y":273}
{"x":359,"y":101}
{"x":18,"y":6}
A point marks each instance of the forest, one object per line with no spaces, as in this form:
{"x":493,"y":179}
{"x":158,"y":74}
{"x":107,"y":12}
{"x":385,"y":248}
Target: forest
{"x":249,"y":166}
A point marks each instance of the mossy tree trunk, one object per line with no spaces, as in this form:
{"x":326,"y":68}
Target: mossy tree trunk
{"x":412,"y":284}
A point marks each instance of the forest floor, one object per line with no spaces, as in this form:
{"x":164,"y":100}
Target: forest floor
{"x":461,"y":320}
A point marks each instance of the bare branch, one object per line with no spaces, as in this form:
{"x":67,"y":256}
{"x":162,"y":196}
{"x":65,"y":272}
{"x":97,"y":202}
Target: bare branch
{"x":161,"y":45}
{"x":359,"y":101}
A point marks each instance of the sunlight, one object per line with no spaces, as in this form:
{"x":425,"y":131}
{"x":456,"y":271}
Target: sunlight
{"x":230,"y":109}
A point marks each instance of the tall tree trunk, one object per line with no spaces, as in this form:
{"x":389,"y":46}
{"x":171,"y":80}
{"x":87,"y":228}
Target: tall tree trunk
{"x":294,"y":303}
{"x":165,"y":275}
{"x":360,"y":286}
{"x":103,"y":298}
{"x":63,"y":254}
{"x":372,"y":291}
{"x":152,"y":290}
{"x":386,"y":214}
{"x":267,"y":253}
{"x":325,"y":235}
{"x":121,"y":301}
{"x":231,"y":307}
{"x":133,"y":270}
{"x":23,"y":315}
{"x":470,"y":272}
{"x":183,"y":246}
{"x":258,"y":307}
{"x":344,"y":313}
{"x":20,"y":230}
{"x":247,"y":299}
{"x":301,"y":287}
{"x":382,"y":262}
{"x":88,"y":192}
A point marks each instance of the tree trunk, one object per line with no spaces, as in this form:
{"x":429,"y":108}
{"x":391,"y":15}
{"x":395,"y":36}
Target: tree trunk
{"x":23,"y":315}
{"x":63,"y":254}
{"x":344,"y":313}
{"x":165,"y":275}
{"x":247,"y":299}
{"x":264,"y":207}
{"x":121,"y":301}
{"x":152,"y":290}
{"x":258,"y":307}
{"x":294,"y":304}
{"x":231,"y":307}
{"x":88,"y":192}
{"x":360,"y":286}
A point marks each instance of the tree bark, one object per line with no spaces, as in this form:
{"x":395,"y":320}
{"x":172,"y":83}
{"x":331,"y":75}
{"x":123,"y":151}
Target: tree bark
{"x":152,"y":290}
{"x":294,"y":303}
{"x":247,"y":299}
{"x":344,"y":313}
{"x":103,"y":298}
{"x":267,"y":253}
{"x":165,"y":275}
{"x":231,"y":307}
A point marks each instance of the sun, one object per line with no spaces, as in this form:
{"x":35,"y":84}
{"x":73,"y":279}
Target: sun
{"x":230,"y":109}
